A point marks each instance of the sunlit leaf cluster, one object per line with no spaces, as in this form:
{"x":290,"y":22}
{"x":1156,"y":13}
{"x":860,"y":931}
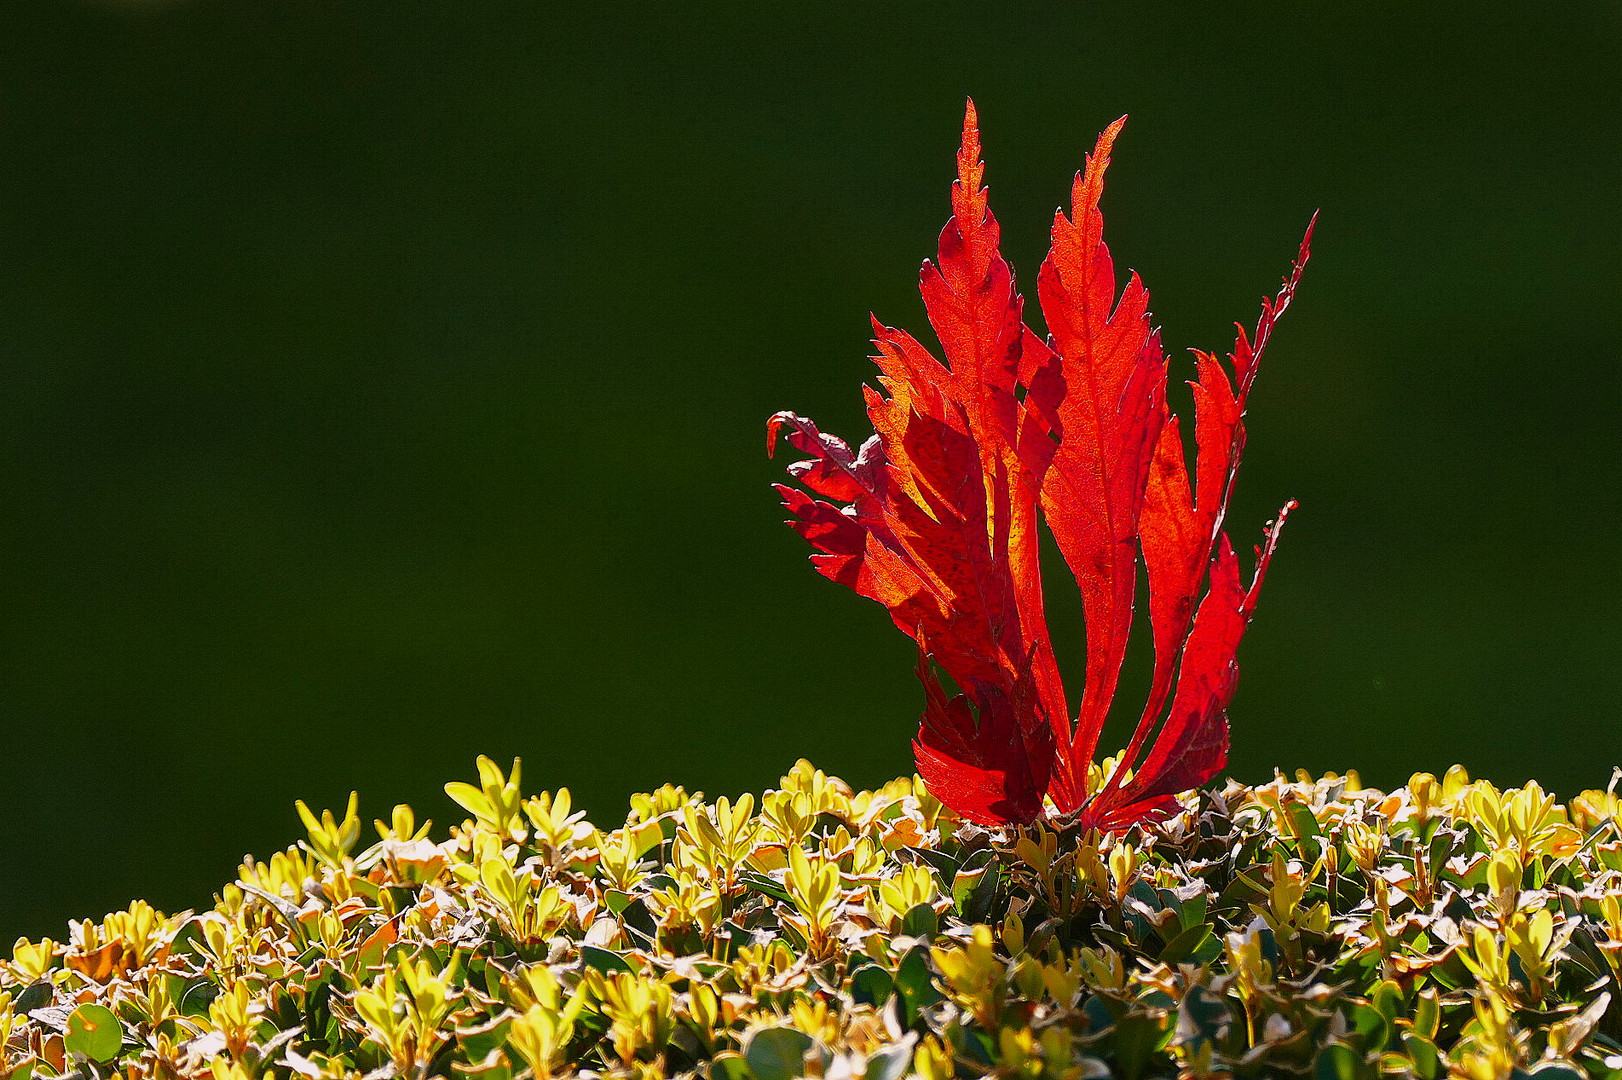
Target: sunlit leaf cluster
{"x":1313,"y":927}
{"x":1007,"y":435}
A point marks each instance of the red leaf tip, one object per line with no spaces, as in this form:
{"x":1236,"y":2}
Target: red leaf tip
{"x":970,"y":170}
{"x":1264,"y":555}
{"x":1089,"y":183}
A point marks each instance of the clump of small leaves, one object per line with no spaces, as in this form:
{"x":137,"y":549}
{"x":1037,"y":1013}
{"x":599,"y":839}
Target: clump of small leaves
{"x":1306,"y":927}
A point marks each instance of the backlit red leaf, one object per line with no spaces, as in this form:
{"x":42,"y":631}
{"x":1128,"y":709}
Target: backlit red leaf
{"x":937,"y":516}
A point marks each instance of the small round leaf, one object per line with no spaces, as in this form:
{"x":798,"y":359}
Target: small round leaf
{"x":1337,"y":1061}
{"x":94,"y":1032}
{"x":776,"y":1053}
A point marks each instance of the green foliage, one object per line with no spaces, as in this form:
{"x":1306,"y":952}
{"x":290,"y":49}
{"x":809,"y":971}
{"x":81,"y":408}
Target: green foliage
{"x":93,"y":1032}
{"x":1312,"y":928}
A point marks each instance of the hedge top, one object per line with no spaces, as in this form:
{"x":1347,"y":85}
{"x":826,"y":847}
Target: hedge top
{"x":1307,"y":927}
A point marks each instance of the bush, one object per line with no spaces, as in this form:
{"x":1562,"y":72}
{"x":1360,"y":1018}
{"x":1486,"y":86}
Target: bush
{"x":1315,"y":927}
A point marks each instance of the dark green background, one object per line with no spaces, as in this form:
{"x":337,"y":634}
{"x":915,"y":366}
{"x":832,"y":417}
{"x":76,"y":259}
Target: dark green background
{"x":384,"y":383}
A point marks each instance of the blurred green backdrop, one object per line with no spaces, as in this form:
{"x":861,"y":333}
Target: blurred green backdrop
{"x":384,"y":383}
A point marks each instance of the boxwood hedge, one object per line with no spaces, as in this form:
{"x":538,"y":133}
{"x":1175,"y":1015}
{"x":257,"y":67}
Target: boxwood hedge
{"x":1300,"y":927}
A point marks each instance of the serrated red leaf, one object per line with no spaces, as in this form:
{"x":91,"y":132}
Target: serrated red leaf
{"x":937,"y":516}
{"x":1112,"y":407}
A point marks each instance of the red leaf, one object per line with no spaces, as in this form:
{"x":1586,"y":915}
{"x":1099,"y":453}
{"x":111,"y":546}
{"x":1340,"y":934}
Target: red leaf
{"x":1113,"y":404}
{"x":1193,"y":746}
{"x":990,"y":768}
{"x":940,"y":521}
{"x":1177,"y":532}
{"x":937,"y":516}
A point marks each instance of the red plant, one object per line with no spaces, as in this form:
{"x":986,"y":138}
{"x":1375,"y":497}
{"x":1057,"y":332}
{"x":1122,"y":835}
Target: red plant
{"x":936,"y":516}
